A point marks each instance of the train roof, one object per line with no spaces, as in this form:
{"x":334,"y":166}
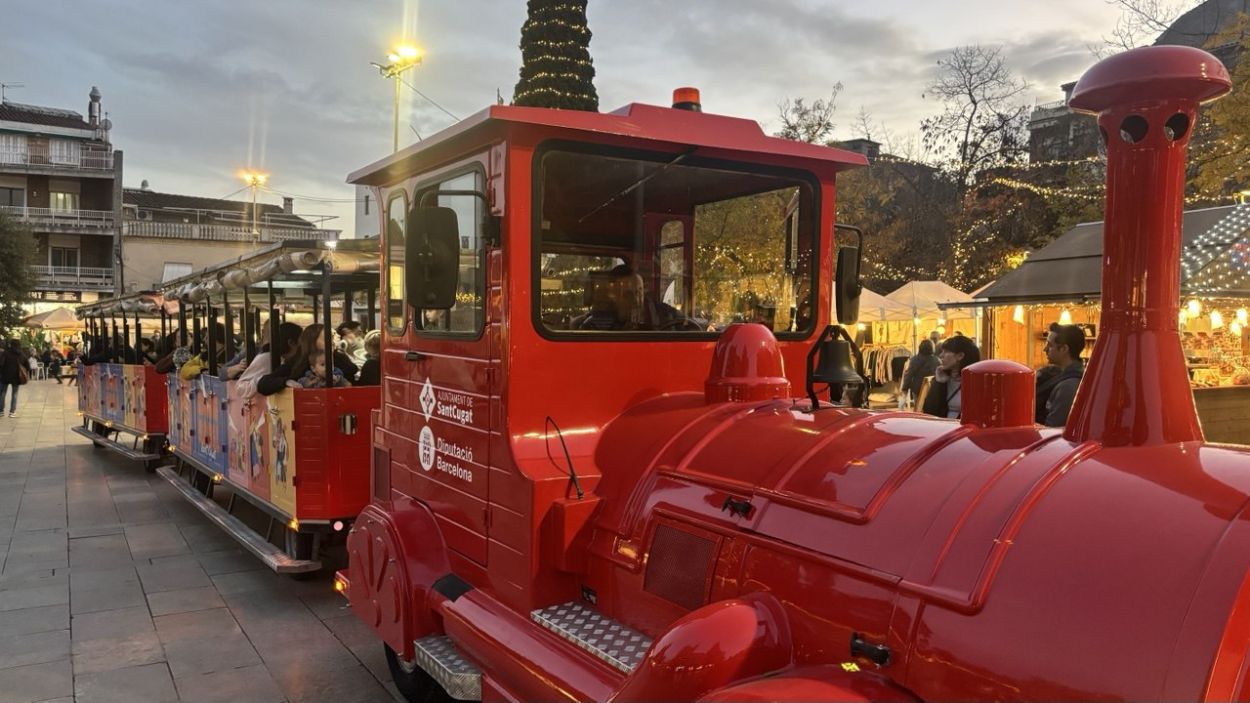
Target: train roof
{"x":274,"y":262}
{"x":146,"y":301}
{"x":721,"y":133}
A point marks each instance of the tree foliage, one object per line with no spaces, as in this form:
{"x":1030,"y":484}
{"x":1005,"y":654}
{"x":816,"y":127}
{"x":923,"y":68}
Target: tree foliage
{"x":1140,"y":22}
{"x":17,"y":255}
{"x":1221,"y":143}
{"x":556,"y":69}
{"x":809,"y":122}
{"x":984,"y":118}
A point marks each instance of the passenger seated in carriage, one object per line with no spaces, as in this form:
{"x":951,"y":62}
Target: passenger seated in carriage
{"x":619,"y":303}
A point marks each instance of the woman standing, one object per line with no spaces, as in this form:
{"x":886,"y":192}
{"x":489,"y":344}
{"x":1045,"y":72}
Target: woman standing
{"x":945,"y":397}
{"x":921,"y":365}
{"x":12,"y":374}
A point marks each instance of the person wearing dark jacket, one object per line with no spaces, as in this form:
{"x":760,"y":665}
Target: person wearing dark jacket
{"x":1058,"y":382}
{"x":945,"y":397}
{"x":920,"y":366}
{"x":12,"y":366}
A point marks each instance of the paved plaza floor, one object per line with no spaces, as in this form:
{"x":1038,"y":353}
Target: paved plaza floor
{"x":113,"y":589}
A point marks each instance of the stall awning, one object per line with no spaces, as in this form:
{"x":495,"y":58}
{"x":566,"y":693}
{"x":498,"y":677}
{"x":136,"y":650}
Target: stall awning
{"x":874,"y":307}
{"x":1070,"y":268}
{"x":928,"y":298}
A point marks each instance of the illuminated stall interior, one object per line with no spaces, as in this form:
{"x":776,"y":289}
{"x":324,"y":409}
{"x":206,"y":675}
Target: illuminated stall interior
{"x":1062,"y":283}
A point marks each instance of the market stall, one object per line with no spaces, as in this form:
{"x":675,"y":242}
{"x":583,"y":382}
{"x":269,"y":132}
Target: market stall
{"x":1062,"y":283}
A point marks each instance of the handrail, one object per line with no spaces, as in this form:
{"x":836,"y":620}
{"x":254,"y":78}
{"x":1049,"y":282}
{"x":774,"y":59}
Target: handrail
{"x":86,"y":160}
{"x":101,"y":217}
{"x":224,"y":233}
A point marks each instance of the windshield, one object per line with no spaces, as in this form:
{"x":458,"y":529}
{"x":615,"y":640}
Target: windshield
{"x":630,"y":244}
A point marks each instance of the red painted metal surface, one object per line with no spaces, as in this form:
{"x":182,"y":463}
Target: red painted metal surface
{"x":332,"y":446}
{"x":998,"y":393}
{"x":755,"y":541}
{"x":746,"y":366}
{"x":1136,"y":389}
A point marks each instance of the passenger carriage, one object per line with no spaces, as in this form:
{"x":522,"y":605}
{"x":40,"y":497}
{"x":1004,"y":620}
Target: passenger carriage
{"x":121,"y":399}
{"x":293,"y":465}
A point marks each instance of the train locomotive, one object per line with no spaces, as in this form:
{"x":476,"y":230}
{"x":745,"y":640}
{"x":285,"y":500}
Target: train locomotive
{"x":631,"y":503}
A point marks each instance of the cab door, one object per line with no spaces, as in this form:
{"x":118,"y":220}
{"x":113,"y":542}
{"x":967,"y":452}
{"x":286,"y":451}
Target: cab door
{"x":439,"y":385}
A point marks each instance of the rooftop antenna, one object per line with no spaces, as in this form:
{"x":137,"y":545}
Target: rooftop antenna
{"x":6,"y":86}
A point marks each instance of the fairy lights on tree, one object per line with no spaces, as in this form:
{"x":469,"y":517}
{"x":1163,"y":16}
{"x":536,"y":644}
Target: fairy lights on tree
{"x":556,"y":69}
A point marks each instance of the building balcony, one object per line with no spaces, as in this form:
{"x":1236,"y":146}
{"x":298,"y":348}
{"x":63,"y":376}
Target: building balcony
{"x":223,"y":232}
{"x":72,"y":278}
{"x":94,"y":163}
{"x":68,"y":221}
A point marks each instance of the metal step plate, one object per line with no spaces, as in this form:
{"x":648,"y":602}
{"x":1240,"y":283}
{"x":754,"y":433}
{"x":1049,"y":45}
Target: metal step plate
{"x":607,"y":639}
{"x":438,"y":656}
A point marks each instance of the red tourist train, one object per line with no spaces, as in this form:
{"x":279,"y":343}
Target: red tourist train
{"x":590,"y":482}
{"x":282,"y":473}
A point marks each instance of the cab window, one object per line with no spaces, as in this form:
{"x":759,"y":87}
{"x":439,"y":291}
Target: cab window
{"x":396,"y":212}
{"x":466,"y":315}
{"x":662,"y":245}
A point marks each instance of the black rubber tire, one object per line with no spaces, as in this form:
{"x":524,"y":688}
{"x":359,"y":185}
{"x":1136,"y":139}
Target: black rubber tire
{"x":412,"y":681}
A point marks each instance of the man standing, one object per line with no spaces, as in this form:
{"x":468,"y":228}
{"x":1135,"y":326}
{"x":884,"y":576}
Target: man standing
{"x":1057,"y":384}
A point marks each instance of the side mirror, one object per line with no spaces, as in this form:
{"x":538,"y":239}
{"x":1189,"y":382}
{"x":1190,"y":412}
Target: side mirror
{"x":846,"y":287}
{"x":432,"y":257}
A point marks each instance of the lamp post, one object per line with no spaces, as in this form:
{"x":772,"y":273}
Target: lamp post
{"x":402,"y":58}
{"x":254,"y":180}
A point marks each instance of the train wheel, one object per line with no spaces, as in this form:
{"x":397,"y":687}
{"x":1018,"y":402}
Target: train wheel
{"x":412,"y":681}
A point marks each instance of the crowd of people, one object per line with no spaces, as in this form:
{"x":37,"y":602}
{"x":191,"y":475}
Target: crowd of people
{"x":945,"y":360}
{"x":302,"y":360}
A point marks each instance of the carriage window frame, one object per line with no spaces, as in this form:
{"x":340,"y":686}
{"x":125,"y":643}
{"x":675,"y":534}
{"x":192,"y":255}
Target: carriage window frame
{"x":476,"y":167}
{"x":402,"y":329}
{"x":802,"y":176}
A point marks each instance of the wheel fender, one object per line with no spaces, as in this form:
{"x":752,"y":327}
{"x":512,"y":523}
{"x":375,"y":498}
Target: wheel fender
{"x":709,"y":648}
{"x":823,"y":684}
{"x":395,"y":554}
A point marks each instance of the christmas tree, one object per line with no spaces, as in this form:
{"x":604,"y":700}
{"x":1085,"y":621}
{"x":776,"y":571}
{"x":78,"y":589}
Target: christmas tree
{"x":556,"y":69}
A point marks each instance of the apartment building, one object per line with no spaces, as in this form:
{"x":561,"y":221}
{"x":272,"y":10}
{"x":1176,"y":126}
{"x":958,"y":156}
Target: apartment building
{"x":60,"y":175}
{"x":166,"y":235}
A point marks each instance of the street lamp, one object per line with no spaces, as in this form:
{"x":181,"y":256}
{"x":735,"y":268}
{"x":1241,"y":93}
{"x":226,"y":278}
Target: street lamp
{"x":254,"y":180}
{"x":402,"y":58}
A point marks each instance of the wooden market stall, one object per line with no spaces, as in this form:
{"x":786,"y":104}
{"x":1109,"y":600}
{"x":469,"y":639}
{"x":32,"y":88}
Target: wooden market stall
{"x":1062,"y":282}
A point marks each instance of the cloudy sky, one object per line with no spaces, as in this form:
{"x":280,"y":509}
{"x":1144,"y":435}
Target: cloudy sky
{"x":197,"y":91}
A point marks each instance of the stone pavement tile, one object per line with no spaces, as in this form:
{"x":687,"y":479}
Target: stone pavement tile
{"x":249,"y":684}
{"x":352,"y":631}
{"x":122,"y":622}
{"x":105,"y":551}
{"x":157,"y":540}
{"x":373,"y":657}
{"x":40,"y":619}
{"x":150,"y":684}
{"x":243,"y":581}
{"x":308,"y":680}
{"x":34,"y":597}
{"x":39,"y":682}
{"x":105,"y":654}
{"x":188,"y":657}
{"x":228,"y":562}
{"x":184,"y":600}
{"x":94,"y":530}
{"x":292,"y":650}
{"x":34,"y":648}
{"x":326,"y":603}
{"x":173,"y":574}
{"x":207,"y":537}
{"x":217,"y":622}
{"x":109,"y":598}
{"x":34,"y":577}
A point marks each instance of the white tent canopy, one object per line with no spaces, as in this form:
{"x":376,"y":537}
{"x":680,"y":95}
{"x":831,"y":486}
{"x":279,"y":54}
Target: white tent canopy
{"x":923,"y":297}
{"x":874,"y":307}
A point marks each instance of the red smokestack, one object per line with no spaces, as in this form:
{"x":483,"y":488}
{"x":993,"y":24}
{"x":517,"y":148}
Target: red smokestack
{"x":1136,"y":389}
